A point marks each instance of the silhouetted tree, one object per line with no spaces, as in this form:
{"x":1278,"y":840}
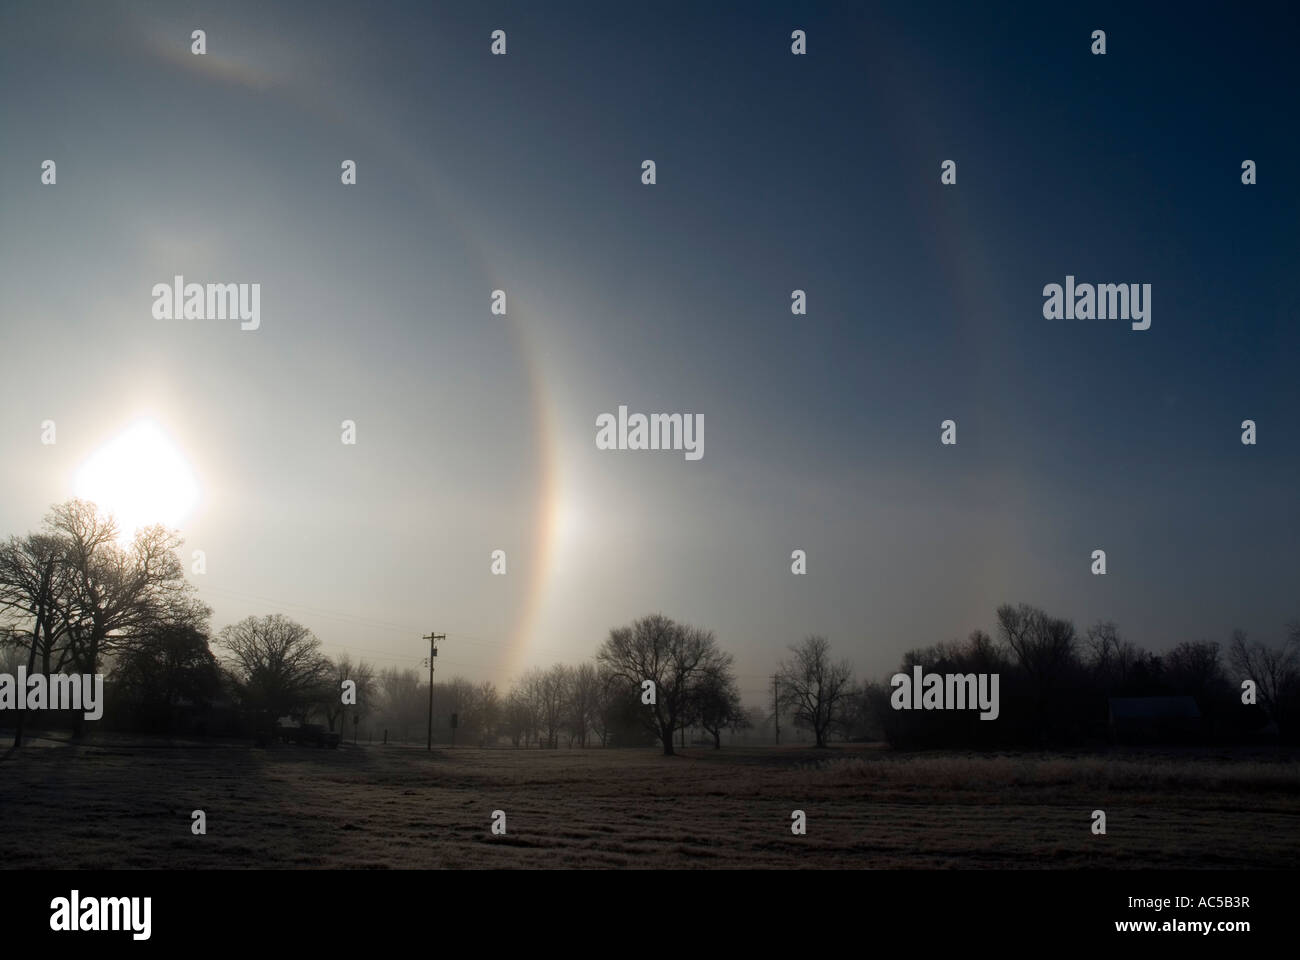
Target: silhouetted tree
{"x":276,"y":664}
{"x":341,"y":669}
{"x":519,"y":716}
{"x":715,"y":700}
{"x":164,"y":668}
{"x":1275,"y":670}
{"x":611,"y":713}
{"x":548,"y":693}
{"x":1044,"y":649}
{"x":404,"y":701}
{"x":814,"y":689}
{"x":485,"y":712}
{"x":114,"y":594}
{"x":33,"y":590}
{"x":1111,"y":659}
{"x":584,"y":701}
{"x":84,"y":597}
{"x":669,"y":654}
{"x":1194,"y":668}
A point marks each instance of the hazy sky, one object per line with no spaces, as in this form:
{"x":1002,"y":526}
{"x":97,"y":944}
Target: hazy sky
{"x":522,"y":172}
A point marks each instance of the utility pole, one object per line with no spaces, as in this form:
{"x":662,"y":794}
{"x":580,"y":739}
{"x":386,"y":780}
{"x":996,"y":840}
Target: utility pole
{"x":776,"y":708}
{"x":433,"y":638}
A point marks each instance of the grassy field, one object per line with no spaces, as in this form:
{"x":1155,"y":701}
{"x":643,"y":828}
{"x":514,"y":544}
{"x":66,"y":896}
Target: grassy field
{"x":128,"y":804}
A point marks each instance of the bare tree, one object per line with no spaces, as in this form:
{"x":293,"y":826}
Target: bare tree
{"x":519,"y":714}
{"x":1112,"y":660}
{"x":166,"y":666}
{"x":1043,"y":646}
{"x":547,"y":693}
{"x":1045,"y":649}
{"x":715,"y":700}
{"x":404,"y":700}
{"x":116,"y":595}
{"x":668,"y":654}
{"x":456,"y":696}
{"x":342,"y":669}
{"x":584,"y":701}
{"x":33,"y":589}
{"x":814,"y":689}
{"x":485,"y":712}
{"x":276,"y":664}
{"x":86,"y":596}
{"x":1196,"y":669}
{"x":552,"y":699}
{"x":611,"y":696}
{"x":1275,"y":670}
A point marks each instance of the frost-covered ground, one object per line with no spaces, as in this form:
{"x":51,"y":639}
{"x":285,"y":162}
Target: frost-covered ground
{"x":129,"y":803}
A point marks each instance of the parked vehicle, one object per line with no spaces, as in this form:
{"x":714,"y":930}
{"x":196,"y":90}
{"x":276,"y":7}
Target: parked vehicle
{"x":307,"y":734}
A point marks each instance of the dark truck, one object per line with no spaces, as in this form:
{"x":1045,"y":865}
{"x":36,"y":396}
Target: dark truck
{"x":307,"y":735}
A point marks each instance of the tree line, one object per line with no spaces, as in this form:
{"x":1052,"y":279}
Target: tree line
{"x":73,"y":598}
{"x":1057,"y":683}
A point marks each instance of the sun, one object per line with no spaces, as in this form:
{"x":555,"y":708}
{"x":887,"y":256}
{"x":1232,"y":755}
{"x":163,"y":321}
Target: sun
{"x":141,"y":478}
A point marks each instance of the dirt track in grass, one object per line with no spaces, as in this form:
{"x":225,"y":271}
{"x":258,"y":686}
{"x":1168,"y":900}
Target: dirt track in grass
{"x":128,"y":804}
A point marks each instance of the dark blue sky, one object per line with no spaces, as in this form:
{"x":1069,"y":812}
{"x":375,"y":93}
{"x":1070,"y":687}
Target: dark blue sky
{"x":775,"y":172}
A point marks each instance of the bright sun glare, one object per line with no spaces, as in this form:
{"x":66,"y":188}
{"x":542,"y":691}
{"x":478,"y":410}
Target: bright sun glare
{"x":140,"y":478}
